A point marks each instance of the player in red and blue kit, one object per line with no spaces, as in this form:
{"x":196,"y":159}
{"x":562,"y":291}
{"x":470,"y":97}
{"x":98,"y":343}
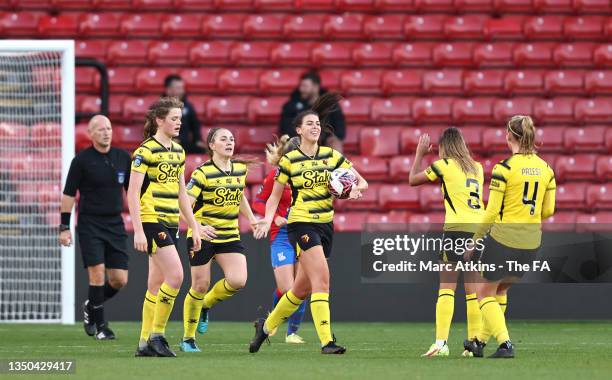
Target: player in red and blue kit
{"x":282,"y":253}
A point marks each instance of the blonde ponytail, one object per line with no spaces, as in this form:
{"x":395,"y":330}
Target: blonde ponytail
{"x":523,"y":130}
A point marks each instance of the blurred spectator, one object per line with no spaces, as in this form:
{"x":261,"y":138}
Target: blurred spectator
{"x":189,"y":136}
{"x":301,"y":99}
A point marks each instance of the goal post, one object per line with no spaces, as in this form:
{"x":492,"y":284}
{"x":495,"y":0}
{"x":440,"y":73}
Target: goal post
{"x":37,"y":144}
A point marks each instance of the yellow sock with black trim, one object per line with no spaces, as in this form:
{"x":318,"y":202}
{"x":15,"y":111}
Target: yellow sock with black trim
{"x":502,"y":300}
{"x":163,"y":308}
{"x":319,"y":308}
{"x":445,"y":307}
{"x":494,"y":319}
{"x":286,"y":306}
{"x":148,"y":312}
{"x":220,"y":292}
{"x":192,"y":307}
{"x":485,"y":334}
{"x":474,"y":316}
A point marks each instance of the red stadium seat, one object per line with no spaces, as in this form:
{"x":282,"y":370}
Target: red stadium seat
{"x":523,"y":82}
{"x":593,"y":6}
{"x":20,"y":23}
{"x":136,"y":107}
{"x":81,"y":137}
{"x":474,"y":5}
{"x":380,"y":141}
{"x":355,"y":5}
{"x":432,"y":109}
{"x":46,"y":134}
{"x":608,"y":27}
{"x":210,"y":53}
{"x":473,"y":138}
{"x":593,"y":110}
{"x":239,"y":81}
{"x":64,"y":25}
{"x":603,"y":167}
{"x":597,"y":222}
{"x":589,"y":139}
{"x":90,"y":104}
{"x":504,"y":109}
{"x":91,"y":49}
{"x":351,"y":221}
{"x":233,"y":5}
{"x":356,"y":109}
{"x":563,"y":221}
{"x":315,"y":5}
{"x":505,"y":28}
{"x":493,"y":54}
{"x":194,"y":5}
{"x":602,"y":56}
{"x":564,"y":82}
{"x":152,"y":80}
{"x":505,"y":6}
{"x":533,"y":54}
{"x":253,"y":140}
{"x":345,"y":26}
{"x":434,"y":5}
{"x":360,"y":82}
{"x":489,"y":162}
{"x":554,"y":110}
{"x":122,"y":79}
{"x":87,"y":79}
{"x":431,"y":198}
{"x":401,"y":81}
{"x":127,"y":52}
{"x":549,"y":6}
{"x":226,"y":109}
{"x":369,"y":201}
{"x":148,"y":5}
{"x":473,"y":110}
{"x":72,"y":4}
{"x":399,"y":167}
{"x":168,"y":52}
{"x":263,"y":25}
{"x":140,"y":24}
{"x":223,"y":25}
{"x":192,"y":162}
{"x":543,"y":27}
{"x":127,"y":137}
{"x":398,"y":197}
{"x":391,"y":110}
{"x":550,"y":139}
{"x":465,"y":27}
{"x":388,"y":26}
{"x":250,"y":53}
{"x":330,"y":79}
{"x":570,"y":196}
{"x":181,"y":25}
{"x":304,"y":26}
{"x":598,"y":82}
{"x":372,"y":168}
{"x":296,"y":53}
{"x":394,"y":220}
{"x":424,"y":26}
{"x":412,"y":54}
{"x":202,"y":80}
{"x":99,"y":24}
{"x":115,"y":106}
{"x":14,"y":134}
{"x":426,"y":222}
{"x":279,"y":81}
{"x":599,"y":197}
{"x":453,"y":54}
{"x":372,"y":54}
{"x":273,"y":5}
{"x":409,"y":137}
{"x":394,"y":5}
{"x":495,"y":139}
{"x":608,"y":140}
{"x":483,"y":81}
{"x":113,"y":4}
{"x":332,"y":54}
{"x":443,"y":82}
{"x":583,"y":27}
{"x":266,"y":109}
{"x":350,"y":143}
{"x":574,"y":54}
{"x":576,"y":167}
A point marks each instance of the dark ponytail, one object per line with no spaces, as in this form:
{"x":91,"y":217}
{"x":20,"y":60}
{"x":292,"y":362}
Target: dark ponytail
{"x":323,"y":107}
{"x":159,"y":110}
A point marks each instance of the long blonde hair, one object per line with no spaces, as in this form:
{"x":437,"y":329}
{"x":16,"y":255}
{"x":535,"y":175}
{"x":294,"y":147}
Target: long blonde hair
{"x":280,"y":147}
{"x":523,"y":130}
{"x":159,"y":110}
{"x":453,"y":146}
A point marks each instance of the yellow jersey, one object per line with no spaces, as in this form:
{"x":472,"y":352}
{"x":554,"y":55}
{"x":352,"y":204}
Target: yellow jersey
{"x":523,"y":179}
{"x":308,"y":178}
{"x":162,"y":168}
{"x":218,"y":195}
{"x":462,"y":194}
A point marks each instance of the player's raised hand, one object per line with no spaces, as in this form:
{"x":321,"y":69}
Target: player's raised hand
{"x":65,"y":238}
{"x":207,"y":232}
{"x":424,"y":146}
{"x":280,"y":221}
{"x":140,"y":242}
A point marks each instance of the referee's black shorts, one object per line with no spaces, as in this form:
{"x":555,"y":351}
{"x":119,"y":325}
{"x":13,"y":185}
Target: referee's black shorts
{"x":103,"y":240}
{"x":497,"y":254}
{"x":308,"y":235}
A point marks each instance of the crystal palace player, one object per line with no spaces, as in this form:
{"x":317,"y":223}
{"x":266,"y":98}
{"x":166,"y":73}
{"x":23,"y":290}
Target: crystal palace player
{"x":310,"y":224}
{"x":522,"y":195}
{"x":462,"y":181}
{"x":156,"y":198}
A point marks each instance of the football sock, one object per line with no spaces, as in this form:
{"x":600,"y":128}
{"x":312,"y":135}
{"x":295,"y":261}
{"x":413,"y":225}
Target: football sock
{"x":286,"y":306}
{"x":444,"y":313}
{"x":220,"y":292}
{"x":474,"y":317}
{"x":319,"y":307}
{"x":502,"y":300}
{"x":192,"y":307}
{"x":296,"y":319}
{"x":148,"y":311}
{"x":109,"y":291}
{"x":96,"y":305}
{"x":163,"y":308}
{"x":494,"y":319}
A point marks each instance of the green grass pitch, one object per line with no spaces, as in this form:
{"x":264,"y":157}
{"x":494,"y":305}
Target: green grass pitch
{"x":378,"y":351}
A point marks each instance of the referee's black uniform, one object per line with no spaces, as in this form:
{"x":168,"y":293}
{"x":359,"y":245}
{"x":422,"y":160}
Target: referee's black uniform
{"x":99,"y":178}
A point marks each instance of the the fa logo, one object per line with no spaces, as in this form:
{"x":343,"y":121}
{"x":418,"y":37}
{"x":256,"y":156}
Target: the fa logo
{"x":162,"y":235}
{"x":191,"y":253}
{"x":305,"y":238}
{"x":325,"y":162}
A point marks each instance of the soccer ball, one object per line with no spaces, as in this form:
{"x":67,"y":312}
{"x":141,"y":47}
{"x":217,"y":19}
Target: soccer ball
{"x":341,"y":182}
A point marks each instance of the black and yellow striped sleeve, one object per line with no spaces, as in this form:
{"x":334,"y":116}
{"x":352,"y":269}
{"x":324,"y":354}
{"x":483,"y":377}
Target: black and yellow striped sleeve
{"x":341,"y":161}
{"x":141,"y":160}
{"x":434,"y":171}
{"x":196,"y":184}
{"x":283,"y":172}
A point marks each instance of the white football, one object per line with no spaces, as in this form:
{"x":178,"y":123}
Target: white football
{"x":341,"y":182}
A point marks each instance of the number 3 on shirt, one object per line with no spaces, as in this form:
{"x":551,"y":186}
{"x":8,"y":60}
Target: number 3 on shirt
{"x":474,"y":200}
{"x":532,"y":201}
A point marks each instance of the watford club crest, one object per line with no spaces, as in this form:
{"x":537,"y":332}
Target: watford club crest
{"x":191,"y":253}
{"x":165,"y":299}
{"x":305,"y":238}
{"x":162,"y":235}
{"x":325,"y":162}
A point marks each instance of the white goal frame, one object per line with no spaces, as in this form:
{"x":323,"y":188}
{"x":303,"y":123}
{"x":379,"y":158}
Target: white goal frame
{"x":66,"y":47}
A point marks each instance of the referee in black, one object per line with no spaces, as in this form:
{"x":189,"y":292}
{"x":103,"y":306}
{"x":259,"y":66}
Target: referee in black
{"x":99,"y":173}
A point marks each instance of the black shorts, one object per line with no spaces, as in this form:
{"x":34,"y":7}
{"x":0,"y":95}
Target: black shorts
{"x":159,"y":236}
{"x":209,"y":250}
{"x":308,"y":235}
{"x":459,"y":246}
{"x":495,"y":253}
{"x":103,"y":240}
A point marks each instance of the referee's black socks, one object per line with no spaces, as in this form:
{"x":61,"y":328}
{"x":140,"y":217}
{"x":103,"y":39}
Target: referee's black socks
{"x":109,"y":291}
{"x":96,"y":304}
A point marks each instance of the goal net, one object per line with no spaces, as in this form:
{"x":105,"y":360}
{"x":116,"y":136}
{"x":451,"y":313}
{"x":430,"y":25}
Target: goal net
{"x":36,"y":147}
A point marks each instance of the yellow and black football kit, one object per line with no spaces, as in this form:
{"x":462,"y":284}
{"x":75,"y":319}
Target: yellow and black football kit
{"x":217,"y":195}
{"x":310,"y":221}
{"x":462,"y":200}
{"x":522,"y":193}
{"x":159,"y":205}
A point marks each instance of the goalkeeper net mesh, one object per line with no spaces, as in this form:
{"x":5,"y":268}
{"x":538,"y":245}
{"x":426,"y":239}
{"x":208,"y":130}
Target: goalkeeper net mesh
{"x":30,"y":186}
